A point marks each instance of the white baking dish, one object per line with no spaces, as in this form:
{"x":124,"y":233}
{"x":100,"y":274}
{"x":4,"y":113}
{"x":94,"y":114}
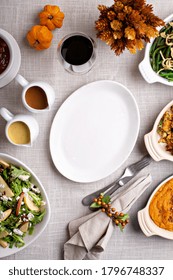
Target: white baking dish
{"x":147,"y":225}
{"x":145,"y":66}
{"x":157,"y":150}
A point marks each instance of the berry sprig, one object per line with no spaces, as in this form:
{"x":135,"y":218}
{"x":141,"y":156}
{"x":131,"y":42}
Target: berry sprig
{"x":104,"y":202}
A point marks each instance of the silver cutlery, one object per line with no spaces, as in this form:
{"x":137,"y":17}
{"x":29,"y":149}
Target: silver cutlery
{"x":130,"y":172}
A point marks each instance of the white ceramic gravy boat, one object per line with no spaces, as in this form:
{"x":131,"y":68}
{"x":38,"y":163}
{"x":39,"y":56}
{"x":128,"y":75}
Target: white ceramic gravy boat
{"x":48,"y":90}
{"x":29,"y":121}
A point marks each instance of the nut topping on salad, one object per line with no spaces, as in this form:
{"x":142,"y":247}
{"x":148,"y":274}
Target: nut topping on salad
{"x":21,"y":205}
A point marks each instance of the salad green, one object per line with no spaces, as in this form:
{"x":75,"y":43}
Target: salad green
{"x":21,"y":205}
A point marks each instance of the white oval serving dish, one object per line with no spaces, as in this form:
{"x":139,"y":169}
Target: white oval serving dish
{"x":147,"y":225}
{"x":94,"y":131}
{"x":145,"y":66}
{"x":39,"y":228}
{"x":157,"y":150}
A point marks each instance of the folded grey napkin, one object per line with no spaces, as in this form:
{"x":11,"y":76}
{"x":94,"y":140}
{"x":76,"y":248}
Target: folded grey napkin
{"x":90,"y":234}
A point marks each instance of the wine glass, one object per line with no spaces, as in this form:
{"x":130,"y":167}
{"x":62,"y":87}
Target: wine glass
{"x":77,"y":53}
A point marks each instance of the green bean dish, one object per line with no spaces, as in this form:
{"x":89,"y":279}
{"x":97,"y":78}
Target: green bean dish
{"x":161,"y":52}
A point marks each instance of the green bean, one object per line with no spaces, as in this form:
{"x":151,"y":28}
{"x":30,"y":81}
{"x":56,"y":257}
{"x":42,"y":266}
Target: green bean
{"x":163,"y":28}
{"x":167,"y":76}
{"x":164,"y":51}
{"x":153,"y":46}
{"x":158,"y":42}
{"x":158,"y":59}
{"x":168,"y":50}
{"x":167,"y":29}
{"x":166,"y":71}
{"x":161,"y":41}
{"x":154,"y":57}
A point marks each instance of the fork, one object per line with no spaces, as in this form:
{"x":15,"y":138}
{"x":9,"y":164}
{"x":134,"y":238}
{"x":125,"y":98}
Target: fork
{"x":130,"y":172}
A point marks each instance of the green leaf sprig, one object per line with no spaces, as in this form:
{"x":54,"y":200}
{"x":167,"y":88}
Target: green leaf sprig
{"x":104,"y":202}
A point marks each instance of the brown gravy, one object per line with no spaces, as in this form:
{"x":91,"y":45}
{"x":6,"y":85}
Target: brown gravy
{"x":4,"y":55}
{"x":36,"y":98}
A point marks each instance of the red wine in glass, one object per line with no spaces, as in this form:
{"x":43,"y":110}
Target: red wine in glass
{"x":77,"y":53}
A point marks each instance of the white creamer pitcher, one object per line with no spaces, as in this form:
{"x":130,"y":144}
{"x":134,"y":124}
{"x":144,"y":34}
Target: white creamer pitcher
{"x":46,"y":89}
{"x":20,"y":130}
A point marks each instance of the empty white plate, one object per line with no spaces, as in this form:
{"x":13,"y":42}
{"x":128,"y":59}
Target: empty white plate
{"x":94,"y":131}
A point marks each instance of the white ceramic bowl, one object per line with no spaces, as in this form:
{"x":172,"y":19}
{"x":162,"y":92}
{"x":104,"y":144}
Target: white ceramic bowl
{"x":147,"y":225}
{"x":39,"y":228}
{"x":145,"y":66}
{"x":157,"y":150}
{"x":15,"y":59}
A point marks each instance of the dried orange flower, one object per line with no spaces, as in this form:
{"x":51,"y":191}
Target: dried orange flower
{"x":126,"y":24}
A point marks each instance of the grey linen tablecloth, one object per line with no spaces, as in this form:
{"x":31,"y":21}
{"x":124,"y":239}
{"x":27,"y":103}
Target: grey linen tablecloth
{"x":17,"y":17}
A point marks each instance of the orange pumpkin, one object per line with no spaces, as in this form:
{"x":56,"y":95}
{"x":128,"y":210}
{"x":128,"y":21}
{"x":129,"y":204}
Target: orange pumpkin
{"x":51,"y":17}
{"x":39,"y":37}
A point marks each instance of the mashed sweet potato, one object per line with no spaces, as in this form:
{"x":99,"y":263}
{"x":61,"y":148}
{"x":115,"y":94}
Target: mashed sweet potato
{"x":161,"y":206}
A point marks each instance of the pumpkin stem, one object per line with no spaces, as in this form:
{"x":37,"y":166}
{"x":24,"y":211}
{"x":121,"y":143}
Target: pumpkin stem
{"x":50,"y":17}
{"x":36,"y":43}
